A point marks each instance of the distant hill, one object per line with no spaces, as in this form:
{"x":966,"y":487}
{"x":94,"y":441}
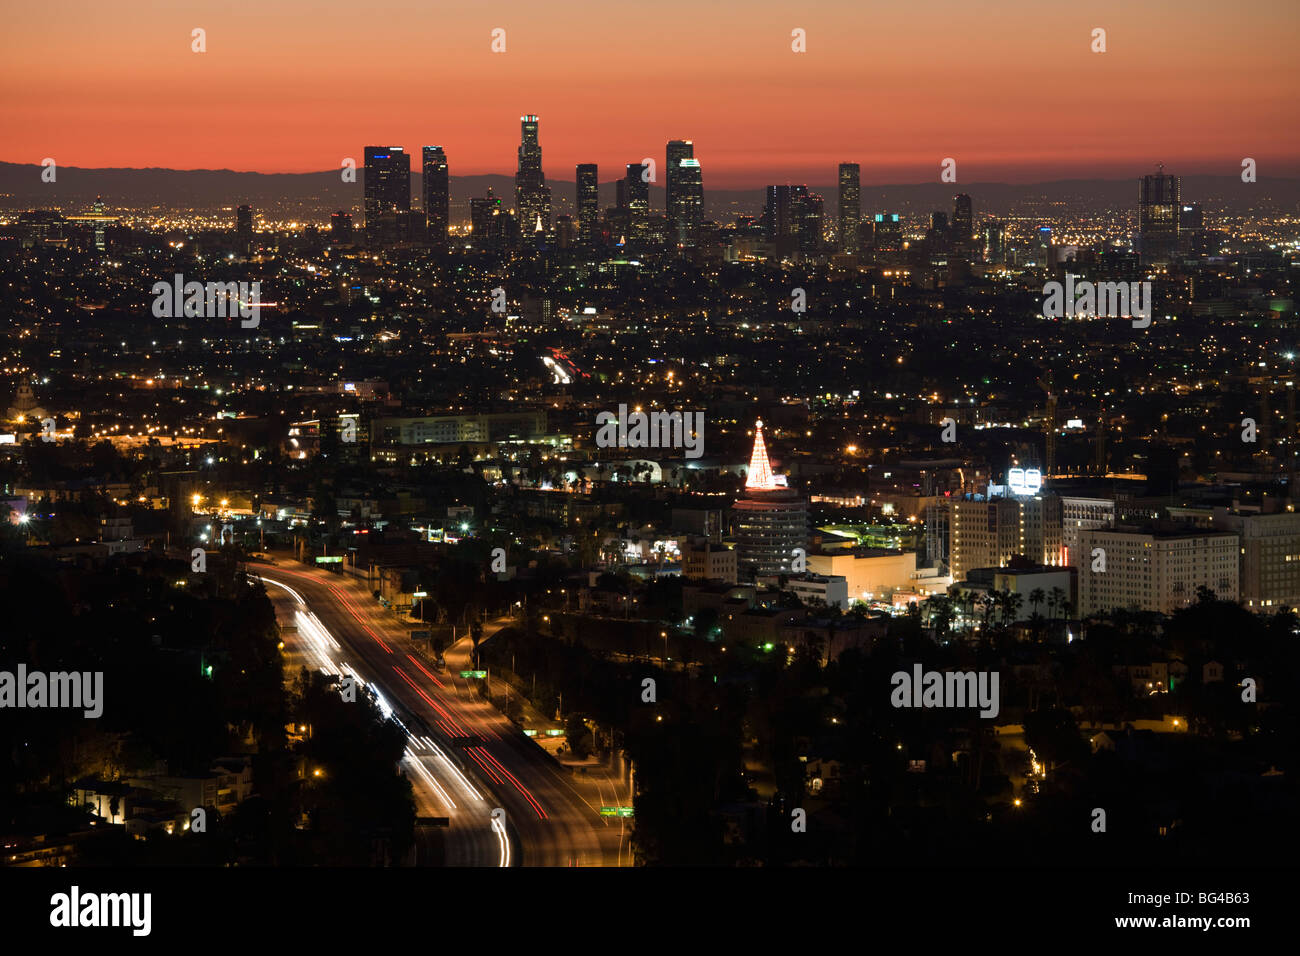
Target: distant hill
{"x":314,"y":196}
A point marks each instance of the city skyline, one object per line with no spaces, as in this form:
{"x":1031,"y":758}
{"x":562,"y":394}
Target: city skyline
{"x":846,"y":437}
{"x":912,"y":103}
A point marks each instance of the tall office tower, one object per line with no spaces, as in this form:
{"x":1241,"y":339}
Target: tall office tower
{"x":887,"y":232}
{"x":678,"y":149}
{"x":588,"y":202}
{"x":939,"y":223}
{"x":994,"y":242}
{"x":566,"y":232}
{"x":810,"y":223}
{"x":485,"y":221}
{"x":437,"y":194}
{"x":532,"y":195}
{"x":387,"y":190}
{"x":244,"y":223}
{"x":1158,"y":217}
{"x":686,"y":212}
{"x":771,"y":519}
{"x":850,"y":212}
{"x":784,"y":217}
{"x":963,"y":225}
{"x":341,"y":227}
{"x":638,"y":200}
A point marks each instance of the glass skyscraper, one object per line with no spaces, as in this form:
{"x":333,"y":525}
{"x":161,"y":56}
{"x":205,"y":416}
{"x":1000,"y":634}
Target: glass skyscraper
{"x":850,"y":211}
{"x":588,"y":201}
{"x":437,"y":194}
{"x":387,"y":189}
{"x":532,"y":195}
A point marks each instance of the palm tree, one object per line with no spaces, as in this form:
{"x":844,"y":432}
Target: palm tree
{"x":1014,"y":603}
{"x":1036,"y":598}
{"x":1058,"y":597}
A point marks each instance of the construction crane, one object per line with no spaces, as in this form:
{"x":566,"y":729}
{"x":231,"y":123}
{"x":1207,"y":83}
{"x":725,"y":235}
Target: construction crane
{"x":1045,"y":383}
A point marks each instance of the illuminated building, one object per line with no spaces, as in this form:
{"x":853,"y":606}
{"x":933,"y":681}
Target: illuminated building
{"x":437,"y":194}
{"x":387,"y":190}
{"x":850,"y":208}
{"x":771,"y":520}
{"x":532,"y":195}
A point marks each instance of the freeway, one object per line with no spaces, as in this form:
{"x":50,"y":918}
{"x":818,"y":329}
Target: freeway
{"x":439,"y":785}
{"x":469,"y":745}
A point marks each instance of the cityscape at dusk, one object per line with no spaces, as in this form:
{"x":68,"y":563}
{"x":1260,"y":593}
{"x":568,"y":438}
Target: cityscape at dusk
{"x":849,"y":441}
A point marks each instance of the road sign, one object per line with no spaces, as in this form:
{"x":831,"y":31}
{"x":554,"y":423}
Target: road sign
{"x":476,"y":675}
{"x":616,"y":811}
{"x":331,"y":559}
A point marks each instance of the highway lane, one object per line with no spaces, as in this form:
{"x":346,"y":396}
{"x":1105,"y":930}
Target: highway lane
{"x":440,"y":788}
{"x":552,"y":823}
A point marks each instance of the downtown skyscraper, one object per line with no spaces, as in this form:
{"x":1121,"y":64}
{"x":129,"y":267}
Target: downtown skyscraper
{"x":638,"y":200}
{"x":677,"y":150}
{"x":850,"y":210}
{"x":588,"y":201}
{"x":686,"y":209}
{"x":437,"y":194}
{"x":532,"y":195}
{"x":1158,"y":211}
{"x":387,"y":190}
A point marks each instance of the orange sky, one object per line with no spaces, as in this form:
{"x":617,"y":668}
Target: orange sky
{"x":1011,"y":90}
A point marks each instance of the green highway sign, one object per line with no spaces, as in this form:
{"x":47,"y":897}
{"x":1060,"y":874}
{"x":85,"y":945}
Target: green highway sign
{"x":477,"y":675}
{"x":616,"y":811}
{"x":332,"y":559}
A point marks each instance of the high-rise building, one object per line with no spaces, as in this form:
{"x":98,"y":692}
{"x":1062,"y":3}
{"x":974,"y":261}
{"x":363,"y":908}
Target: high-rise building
{"x":588,"y":202}
{"x":437,"y":194}
{"x":341,"y":227}
{"x":244,"y":223}
{"x":962,"y":534}
{"x":532,"y":195}
{"x":485,"y":221}
{"x":810,"y":223}
{"x":963,"y":225}
{"x":786,"y":217}
{"x":678,"y":149}
{"x":387,"y":189}
{"x":994,"y":242}
{"x":850,"y":209}
{"x":686,"y":210}
{"x":637,"y":191}
{"x":887,"y":232}
{"x":566,"y":233}
{"x":1158,"y":214}
{"x":771,"y":519}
